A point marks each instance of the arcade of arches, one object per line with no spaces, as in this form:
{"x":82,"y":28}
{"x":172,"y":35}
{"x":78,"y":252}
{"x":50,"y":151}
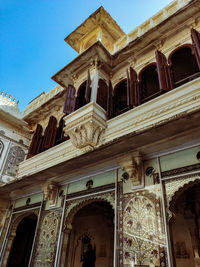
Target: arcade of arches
{"x":152,"y":81}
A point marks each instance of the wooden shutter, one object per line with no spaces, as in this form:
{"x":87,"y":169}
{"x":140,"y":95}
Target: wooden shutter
{"x":134,"y":90}
{"x":50,"y":134}
{"x":70,"y":100}
{"x":110,"y":101}
{"x":195,"y":35}
{"x":102,"y":94}
{"x":88,"y":89}
{"x":60,"y":133}
{"x":128,"y":89}
{"x":36,"y":142}
{"x":164,"y":72}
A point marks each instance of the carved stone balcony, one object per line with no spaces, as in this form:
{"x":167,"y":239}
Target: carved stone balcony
{"x":86,"y":126}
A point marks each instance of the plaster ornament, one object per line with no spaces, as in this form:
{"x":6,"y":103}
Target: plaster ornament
{"x":132,"y":164}
{"x":50,"y":190}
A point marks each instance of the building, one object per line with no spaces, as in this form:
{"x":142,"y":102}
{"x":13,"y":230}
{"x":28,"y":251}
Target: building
{"x":112,"y":173}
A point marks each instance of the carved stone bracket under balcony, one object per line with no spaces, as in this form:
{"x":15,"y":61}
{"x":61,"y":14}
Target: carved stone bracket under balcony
{"x":86,"y":126}
{"x":50,"y":190}
{"x":132,"y":164}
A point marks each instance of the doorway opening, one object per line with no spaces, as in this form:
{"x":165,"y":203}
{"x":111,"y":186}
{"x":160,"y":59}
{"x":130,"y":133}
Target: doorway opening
{"x":23,"y":241}
{"x":185,"y":228}
{"x":91,"y":242}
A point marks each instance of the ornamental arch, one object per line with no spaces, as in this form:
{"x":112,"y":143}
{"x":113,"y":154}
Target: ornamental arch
{"x":88,"y":224}
{"x":184,"y":225}
{"x":20,"y":240}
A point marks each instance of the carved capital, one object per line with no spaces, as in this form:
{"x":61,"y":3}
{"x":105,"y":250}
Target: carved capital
{"x":132,"y":164}
{"x":86,"y":126}
{"x":50,"y":190}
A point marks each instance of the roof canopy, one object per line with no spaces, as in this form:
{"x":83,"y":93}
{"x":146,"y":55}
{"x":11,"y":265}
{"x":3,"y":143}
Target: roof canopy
{"x":100,"y":26}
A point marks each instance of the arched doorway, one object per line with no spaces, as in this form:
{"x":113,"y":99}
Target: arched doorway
{"x":185,"y":227}
{"x":23,"y":241}
{"x":91,"y":241}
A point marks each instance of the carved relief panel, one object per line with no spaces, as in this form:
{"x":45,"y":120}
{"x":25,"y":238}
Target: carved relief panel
{"x":143,"y":235}
{"x":47,"y":239}
{"x":15,"y":156}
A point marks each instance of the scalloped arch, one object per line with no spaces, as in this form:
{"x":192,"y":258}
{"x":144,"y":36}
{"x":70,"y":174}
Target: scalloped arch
{"x":180,"y":191}
{"x":71,"y":212}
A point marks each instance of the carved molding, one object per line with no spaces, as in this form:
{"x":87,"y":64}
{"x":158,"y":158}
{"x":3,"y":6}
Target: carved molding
{"x":86,"y":126}
{"x":50,"y":190}
{"x":132,"y":164}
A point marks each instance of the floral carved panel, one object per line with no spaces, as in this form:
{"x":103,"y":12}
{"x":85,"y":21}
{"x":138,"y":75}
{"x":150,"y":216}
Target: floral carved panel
{"x":47,"y":239}
{"x":143,"y":235}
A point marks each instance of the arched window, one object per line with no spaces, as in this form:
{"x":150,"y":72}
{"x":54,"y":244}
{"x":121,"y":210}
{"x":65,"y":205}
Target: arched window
{"x":149,"y":83}
{"x":102,"y":94}
{"x":120,"y":98}
{"x":80,"y":100}
{"x":183,"y":65}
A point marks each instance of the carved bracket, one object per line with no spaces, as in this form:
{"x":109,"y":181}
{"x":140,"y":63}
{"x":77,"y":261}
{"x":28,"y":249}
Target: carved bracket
{"x":132,"y":164}
{"x":86,"y":126}
{"x":50,"y":190}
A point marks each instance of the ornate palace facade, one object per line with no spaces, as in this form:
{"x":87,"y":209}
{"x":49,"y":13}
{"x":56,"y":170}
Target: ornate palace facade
{"x":104,"y":170}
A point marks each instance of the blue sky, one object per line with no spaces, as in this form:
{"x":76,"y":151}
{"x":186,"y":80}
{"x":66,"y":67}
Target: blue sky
{"x":32,"y":47}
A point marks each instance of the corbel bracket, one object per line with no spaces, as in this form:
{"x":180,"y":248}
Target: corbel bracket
{"x":132,"y":164}
{"x":50,"y":190}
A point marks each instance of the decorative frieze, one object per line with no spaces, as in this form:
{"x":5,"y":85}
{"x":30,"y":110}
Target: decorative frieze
{"x":86,"y":126}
